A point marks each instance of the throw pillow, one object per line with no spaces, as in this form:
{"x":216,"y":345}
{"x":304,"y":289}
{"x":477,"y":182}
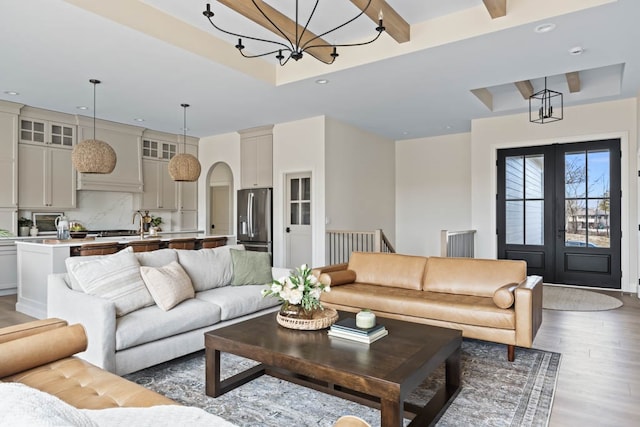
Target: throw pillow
{"x":503,"y":297}
{"x":168,"y":285}
{"x":208,"y":268}
{"x":251,"y":268}
{"x":114,"y":277}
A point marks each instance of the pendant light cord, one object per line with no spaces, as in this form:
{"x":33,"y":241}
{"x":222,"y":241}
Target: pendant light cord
{"x":95,"y":82}
{"x":184,"y":128}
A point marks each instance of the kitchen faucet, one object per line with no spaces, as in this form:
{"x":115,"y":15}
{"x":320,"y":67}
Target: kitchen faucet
{"x":141,"y":222}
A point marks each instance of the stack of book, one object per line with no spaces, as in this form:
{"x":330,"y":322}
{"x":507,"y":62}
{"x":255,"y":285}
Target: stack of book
{"x":347,"y":329}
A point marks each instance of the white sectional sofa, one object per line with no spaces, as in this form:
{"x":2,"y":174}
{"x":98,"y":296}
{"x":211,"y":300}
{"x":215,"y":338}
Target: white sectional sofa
{"x":128,"y":330}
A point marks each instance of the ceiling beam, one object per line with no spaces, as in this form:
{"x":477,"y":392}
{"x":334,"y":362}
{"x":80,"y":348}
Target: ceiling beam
{"x":525,"y":87}
{"x":484,"y":96}
{"x":288,"y":27}
{"x":394,"y":24}
{"x":496,"y":8}
{"x":573,"y":80}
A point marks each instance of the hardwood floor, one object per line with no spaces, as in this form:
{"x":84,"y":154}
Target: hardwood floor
{"x":599,"y":379}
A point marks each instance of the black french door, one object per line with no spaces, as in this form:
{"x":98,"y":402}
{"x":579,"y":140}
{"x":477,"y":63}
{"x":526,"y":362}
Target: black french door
{"x":558,"y":208}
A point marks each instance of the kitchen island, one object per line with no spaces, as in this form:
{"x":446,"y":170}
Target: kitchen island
{"x":37,"y":258}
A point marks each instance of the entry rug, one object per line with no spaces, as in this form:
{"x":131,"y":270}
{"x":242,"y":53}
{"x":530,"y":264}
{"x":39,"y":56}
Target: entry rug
{"x":494,"y":392}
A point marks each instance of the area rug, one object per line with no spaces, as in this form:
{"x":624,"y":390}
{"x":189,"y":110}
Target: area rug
{"x":571,"y":299}
{"x":494,"y":392}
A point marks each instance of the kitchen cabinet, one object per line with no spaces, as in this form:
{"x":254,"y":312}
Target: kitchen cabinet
{"x":160,"y":190}
{"x":9,"y":165}
{"x":256,"y":157}
{"x":37,"y":131}
{"x":8,"y":266}
{"x":46,"y":178}
{"x":126,"y":141}
{"x":188,"y":198}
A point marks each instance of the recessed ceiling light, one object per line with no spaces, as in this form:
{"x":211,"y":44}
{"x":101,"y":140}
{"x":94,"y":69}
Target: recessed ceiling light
{"x":405,"y":133}
{"x":576,"y":50}
{"x":322,"y":81}
{"x":82,"y":107}
{"x":11,"y":92}
{"x":138,"y":119}
{"x":544,"y":28}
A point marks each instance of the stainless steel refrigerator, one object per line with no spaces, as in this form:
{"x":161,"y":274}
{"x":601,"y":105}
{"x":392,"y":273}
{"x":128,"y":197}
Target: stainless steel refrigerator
{"x":255,"y":219}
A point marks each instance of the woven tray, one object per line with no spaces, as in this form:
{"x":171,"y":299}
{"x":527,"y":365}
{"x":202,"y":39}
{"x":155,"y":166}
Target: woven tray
{"x":321,"y":319}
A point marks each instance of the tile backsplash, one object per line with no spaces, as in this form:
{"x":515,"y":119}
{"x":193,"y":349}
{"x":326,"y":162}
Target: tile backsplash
{"x":106,"y":210}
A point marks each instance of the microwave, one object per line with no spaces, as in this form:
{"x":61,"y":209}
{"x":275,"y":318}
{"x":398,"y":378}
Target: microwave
{"x":46,"y":221}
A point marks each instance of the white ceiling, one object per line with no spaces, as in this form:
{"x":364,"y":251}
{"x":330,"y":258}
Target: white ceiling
{"x":51,"y":48}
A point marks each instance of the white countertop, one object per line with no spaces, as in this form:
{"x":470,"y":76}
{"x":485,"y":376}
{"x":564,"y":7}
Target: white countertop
{"x":164,"y":236}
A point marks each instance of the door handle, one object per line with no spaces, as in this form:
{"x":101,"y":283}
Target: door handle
{"x":288,"y":230}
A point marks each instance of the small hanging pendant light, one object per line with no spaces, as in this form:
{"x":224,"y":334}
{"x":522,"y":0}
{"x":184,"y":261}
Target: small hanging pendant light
{"x":93,"y":155}
{"x":184,"y":166}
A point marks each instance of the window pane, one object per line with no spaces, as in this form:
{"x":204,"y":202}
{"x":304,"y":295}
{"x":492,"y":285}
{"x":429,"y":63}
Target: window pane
{"x":598,"y":234}
{"x":26,"y":124}
{"x":534,"y":178}
{"x":25,"y":135}
{"x":575,"y":171}
{"x":534,"y":227}
{"x":598,"y":173}
{"x":38,"y":137}
{"x":514,"y":223}
{"x":38,"y":127}
{"x":306,"y":188}
{"x":306,"y":213}
{"x":68,"y":131}
{"x":575,"y":223}
{"x":56,"y":129}
{"x":295,"y":189}
{"x":514,"y":177}
{"x":294,"y":213}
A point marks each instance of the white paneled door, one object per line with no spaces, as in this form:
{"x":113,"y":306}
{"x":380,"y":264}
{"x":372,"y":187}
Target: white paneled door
{"x":298,"y":228}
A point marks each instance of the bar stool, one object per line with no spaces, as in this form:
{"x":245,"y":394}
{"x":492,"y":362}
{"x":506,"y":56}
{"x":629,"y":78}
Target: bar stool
{"x":183,"y":243}
{"x":213,"y":242}
{"x":144,"y":245}
{"x":102,"y":248}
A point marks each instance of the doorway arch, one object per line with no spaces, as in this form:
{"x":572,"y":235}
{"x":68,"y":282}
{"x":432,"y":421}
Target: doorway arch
{"x":219,"y":200}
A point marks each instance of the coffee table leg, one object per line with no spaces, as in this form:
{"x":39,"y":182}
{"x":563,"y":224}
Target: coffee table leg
{"x":391,"y":413}
{"x":212,"y":366}
{"x":452,"y":373}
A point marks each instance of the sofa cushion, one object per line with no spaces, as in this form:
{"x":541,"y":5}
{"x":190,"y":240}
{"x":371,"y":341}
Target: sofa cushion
{"x":471,"y":276}
{"x":236,"y":301}
{"x":168,"y":285}
{"x":156,"y":258}
{"x":152,"y":324}
{"x":208,"y":268}
{"x":460,"y":309}
{"x":384,"y":269}
{"x":250,"y":268}
{"x":114,"y":277}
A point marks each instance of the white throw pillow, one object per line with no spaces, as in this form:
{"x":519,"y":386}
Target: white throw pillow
{"x":114,"y":277}
{"x":208,"y":268}
{"x":168,"y":285}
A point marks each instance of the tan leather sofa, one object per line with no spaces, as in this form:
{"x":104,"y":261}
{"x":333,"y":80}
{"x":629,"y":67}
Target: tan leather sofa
{"x":40,"y":355}
{"x":491,"y":300}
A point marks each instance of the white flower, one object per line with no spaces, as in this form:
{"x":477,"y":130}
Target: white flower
{"x":315,"y":293}
{"x":295,"y":297}
{"x":303,"y":267}
{"x":276,"y":288}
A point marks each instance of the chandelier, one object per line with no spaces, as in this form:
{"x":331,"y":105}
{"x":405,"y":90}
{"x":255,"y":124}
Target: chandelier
{"x":298,"y":41}
{"x":542,"y":109}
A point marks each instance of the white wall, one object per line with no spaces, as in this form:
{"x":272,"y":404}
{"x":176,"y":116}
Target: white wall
{"x":360,"y":180}
{"x":299,"y":147}
{"x":223,"y":148}
{"x":433,"y":191}
{"x":615,"y":119}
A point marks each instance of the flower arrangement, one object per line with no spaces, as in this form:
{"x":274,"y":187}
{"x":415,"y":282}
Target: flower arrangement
{"x":300,"y":288}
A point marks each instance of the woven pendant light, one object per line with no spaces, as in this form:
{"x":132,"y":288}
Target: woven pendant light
{"x":184,"y":166}
{"x":93,"y":155}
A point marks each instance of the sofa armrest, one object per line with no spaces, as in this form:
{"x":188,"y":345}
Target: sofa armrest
{"x":329,"y":268}
{"x":97,"y":315}
{"x":528,"y":307}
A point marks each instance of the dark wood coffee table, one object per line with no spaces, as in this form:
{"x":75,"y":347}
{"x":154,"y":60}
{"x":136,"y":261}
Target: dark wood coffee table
{"x":380,"y":375}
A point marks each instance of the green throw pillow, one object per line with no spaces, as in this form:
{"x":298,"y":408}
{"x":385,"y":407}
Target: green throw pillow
{"x":250,"y":268}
